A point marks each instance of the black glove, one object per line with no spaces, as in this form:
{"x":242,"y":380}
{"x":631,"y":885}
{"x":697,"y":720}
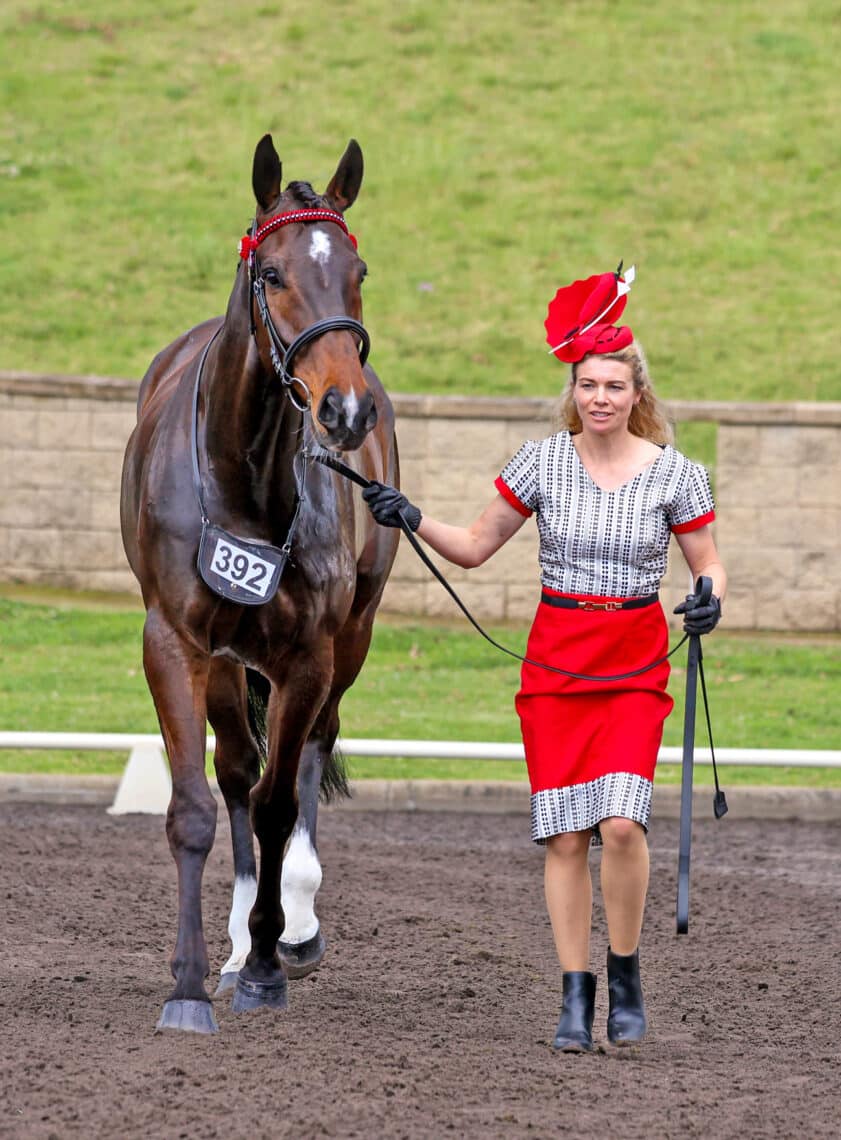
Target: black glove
{"x":699,"y":618}
{"x":386,"y":503}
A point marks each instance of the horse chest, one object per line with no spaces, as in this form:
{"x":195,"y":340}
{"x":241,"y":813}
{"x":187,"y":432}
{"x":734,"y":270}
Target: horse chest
{"x":296,"y":620}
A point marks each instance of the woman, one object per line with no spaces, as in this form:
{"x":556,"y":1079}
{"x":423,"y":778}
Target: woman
{"x":608,"y":491}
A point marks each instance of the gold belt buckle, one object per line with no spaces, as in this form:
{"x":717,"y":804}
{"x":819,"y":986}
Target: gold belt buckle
{"x":609,"y":607}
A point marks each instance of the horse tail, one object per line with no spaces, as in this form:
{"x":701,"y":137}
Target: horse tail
{"x":258,"y":689}
{"x":334,"y":782}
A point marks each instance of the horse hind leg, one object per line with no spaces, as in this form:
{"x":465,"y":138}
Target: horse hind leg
{"x":301,"y":946}
{"x":302,"y":688}
{"x":237,"y":763}
{"x":320,"y":775}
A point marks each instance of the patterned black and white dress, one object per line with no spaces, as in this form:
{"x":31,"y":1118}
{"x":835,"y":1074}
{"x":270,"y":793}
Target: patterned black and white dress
{"x":591,"y":747}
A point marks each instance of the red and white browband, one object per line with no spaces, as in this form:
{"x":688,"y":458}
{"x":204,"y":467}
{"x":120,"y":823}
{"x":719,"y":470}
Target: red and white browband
{"x":249,"y":243}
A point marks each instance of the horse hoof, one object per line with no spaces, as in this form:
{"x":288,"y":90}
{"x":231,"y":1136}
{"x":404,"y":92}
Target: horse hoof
{"x":300,"y":959}
{"x":190,"y":1016}
{"x":227,"y":982}
{"x":253,"y":995}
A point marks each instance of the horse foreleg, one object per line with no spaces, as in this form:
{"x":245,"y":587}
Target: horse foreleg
{"x":274,"y":810}
{"x":177,"y":677}
{"x":237,"y":763}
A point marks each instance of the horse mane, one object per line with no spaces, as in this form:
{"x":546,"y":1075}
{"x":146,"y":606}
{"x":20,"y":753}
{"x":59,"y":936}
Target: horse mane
{"x":305,"y":195}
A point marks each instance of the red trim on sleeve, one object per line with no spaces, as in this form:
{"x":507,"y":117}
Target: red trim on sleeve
{"x":511,"y":498}
{"x":694,"y":524}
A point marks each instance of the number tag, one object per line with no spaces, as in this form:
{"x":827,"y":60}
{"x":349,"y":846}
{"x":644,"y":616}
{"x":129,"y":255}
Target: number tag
{"x":239,"y":570}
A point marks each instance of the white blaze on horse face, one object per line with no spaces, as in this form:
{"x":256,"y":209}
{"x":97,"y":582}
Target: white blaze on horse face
{"x":351,"y":403}
{"x":245,"y":892}
{"x":320,"y":248}
{"x":300,"y":878}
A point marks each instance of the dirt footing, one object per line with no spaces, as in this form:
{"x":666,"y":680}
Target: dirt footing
{"x":434,"y":1009}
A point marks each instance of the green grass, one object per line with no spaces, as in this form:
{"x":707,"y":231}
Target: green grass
{"x":70,"y":667}
{"x":509,"y":148}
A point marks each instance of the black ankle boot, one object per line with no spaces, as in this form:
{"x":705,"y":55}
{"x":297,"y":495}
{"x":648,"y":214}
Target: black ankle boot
{"x":575,"y":1029}
{"x":626,"y":1022}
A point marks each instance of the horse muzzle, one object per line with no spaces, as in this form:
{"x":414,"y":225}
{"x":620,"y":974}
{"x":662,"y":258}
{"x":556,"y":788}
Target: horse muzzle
{"x":345,"y":418}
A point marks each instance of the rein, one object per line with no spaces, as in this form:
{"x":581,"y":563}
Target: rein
{"x":328,"y":460}
{"x":264,"y":562}
{"x":198,"y":485}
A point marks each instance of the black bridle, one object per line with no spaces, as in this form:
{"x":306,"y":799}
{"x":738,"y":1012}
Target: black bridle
{"x":283,"y":356}
{"x":298,"y":393}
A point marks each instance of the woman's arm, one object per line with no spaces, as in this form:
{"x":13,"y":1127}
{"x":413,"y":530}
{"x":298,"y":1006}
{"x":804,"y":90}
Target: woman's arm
{"x":699,"y":550}
{"x":472,"y":545}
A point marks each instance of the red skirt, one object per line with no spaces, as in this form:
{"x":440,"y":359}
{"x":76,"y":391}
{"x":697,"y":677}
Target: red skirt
{"x":575,"y":731}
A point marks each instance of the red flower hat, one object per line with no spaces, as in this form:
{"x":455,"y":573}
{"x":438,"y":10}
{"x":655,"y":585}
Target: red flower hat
{"x":581,"y":316}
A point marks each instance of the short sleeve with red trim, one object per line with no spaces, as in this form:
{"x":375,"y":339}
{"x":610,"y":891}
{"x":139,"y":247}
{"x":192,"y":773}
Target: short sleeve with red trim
{"x":692,"y":506}
{"x":518,"y":480}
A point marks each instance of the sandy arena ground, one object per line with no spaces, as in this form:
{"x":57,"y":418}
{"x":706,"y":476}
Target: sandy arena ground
{"x":433,"y":1012}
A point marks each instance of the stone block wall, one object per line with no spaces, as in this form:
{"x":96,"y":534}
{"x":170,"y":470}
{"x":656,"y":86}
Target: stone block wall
{"x":451,"y":450}
{"x":61,"y":449}
{"x":779,"y":487}
{"x":778,"y":493}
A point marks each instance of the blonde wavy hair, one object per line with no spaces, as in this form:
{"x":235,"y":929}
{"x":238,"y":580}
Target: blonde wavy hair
{"x":648,"y":418}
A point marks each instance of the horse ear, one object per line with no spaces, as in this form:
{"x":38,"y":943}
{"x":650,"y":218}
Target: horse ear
{"x":345,"y":183}
{"x":266,"y":173}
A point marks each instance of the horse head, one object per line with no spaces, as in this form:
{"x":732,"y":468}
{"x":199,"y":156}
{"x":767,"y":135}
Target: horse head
{"x":306,"y":286}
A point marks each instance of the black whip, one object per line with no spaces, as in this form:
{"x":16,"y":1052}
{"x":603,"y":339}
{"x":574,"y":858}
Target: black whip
{"x":694,"y":666}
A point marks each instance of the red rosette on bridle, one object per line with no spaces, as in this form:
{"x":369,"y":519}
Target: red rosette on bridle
{"x":246,"y":247}
{"x":581,"y":316}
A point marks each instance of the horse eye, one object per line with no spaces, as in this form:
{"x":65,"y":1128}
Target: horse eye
{"x":363,"y":272}
{"x":273,"y":278}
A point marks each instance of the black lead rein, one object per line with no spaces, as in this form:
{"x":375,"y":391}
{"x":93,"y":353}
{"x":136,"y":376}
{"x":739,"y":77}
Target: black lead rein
{"x":329,"y":460}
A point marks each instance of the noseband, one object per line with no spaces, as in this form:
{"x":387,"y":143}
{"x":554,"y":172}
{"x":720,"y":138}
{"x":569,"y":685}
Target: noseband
{"x":283,"y":356}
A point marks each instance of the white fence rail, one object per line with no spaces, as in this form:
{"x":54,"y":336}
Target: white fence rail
{"x":426,"y":749}
{"x":145,"y":785}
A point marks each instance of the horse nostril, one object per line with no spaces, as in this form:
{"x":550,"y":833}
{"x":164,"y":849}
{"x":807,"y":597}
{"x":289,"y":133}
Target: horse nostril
{"x":330,"y":409}
{"x":368,"y":411}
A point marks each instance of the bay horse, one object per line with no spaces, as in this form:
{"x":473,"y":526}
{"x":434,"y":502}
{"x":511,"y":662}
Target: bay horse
{"x":261,"y":572}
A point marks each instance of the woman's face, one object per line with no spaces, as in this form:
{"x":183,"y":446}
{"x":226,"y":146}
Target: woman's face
{"x":604,"y":395}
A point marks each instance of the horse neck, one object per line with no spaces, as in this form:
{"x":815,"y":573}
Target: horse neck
{"x":251,"y":430}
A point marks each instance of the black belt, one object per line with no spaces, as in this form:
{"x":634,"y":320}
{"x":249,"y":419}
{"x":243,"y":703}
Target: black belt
{"x":563,"y":603}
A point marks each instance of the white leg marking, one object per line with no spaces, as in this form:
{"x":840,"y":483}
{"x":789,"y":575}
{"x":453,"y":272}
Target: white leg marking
{"x":300,"y":879}
{"x":320,"y":247}
{"x":245,"y":892}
